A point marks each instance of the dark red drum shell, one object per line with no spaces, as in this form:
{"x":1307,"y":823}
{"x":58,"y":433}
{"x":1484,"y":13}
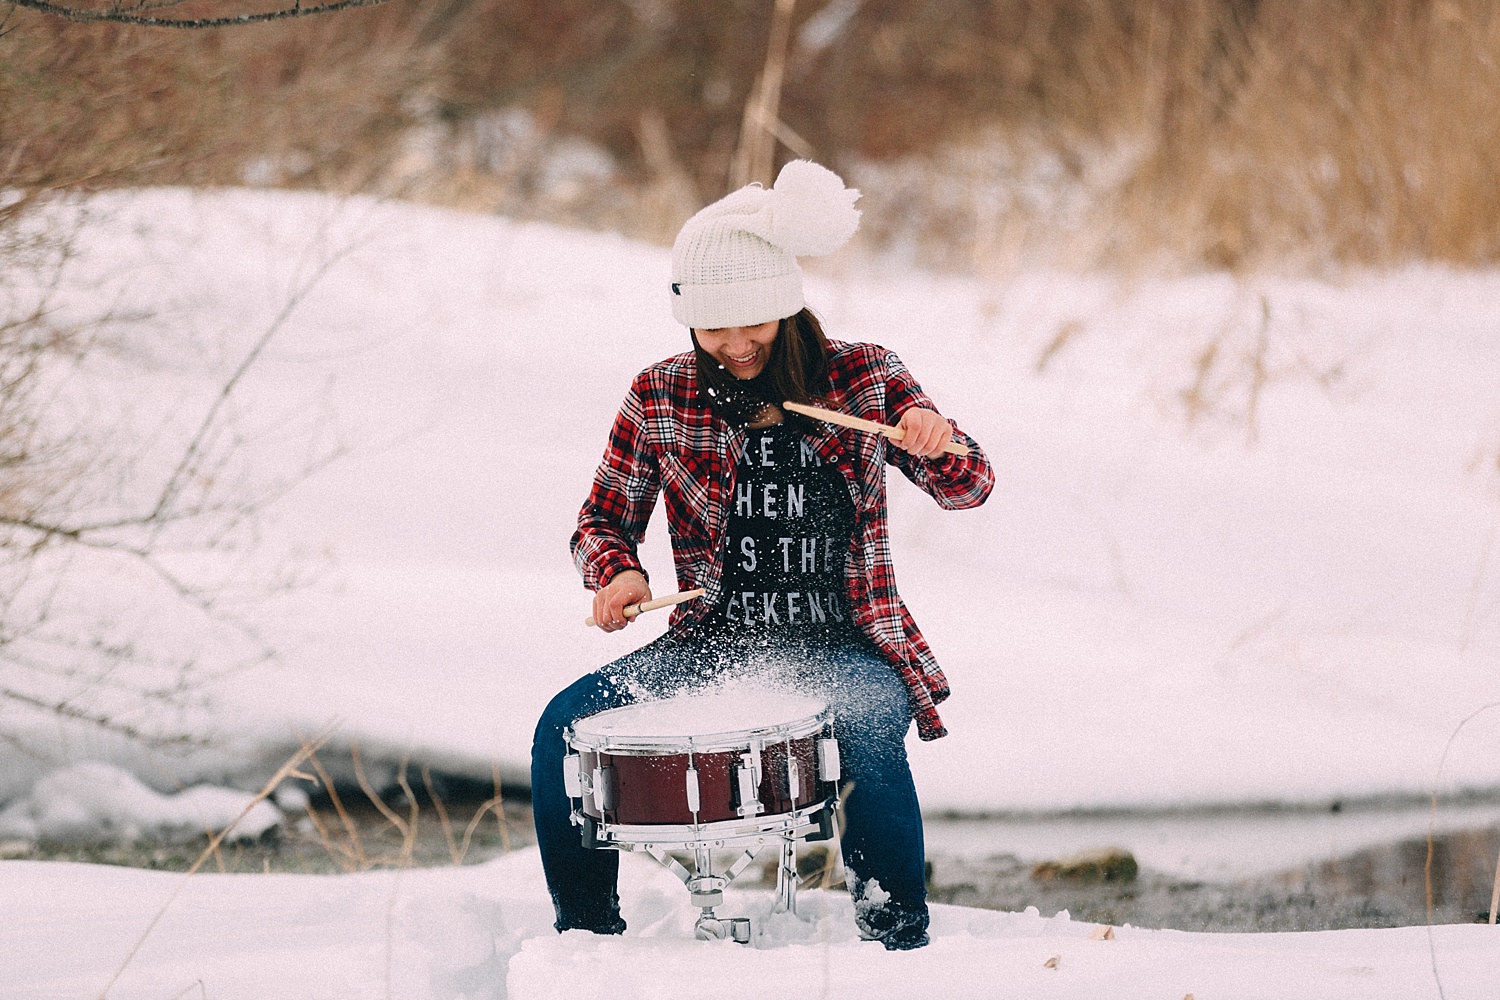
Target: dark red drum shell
{"x":651,"y":789}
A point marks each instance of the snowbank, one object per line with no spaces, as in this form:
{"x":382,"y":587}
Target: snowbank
{"x":98,"y":802}
{"x":1294,"y":596}
{"x":484,"y":932}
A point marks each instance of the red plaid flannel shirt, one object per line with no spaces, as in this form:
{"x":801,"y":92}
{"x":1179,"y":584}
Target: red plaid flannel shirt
{"x":666,"y":439}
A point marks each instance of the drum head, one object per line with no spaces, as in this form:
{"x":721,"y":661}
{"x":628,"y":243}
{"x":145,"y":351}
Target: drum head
{"x":729,"y":720}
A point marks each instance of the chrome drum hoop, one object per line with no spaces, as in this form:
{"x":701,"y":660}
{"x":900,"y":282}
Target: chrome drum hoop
{"x":727,"y":833}
{"x":655,"y":746}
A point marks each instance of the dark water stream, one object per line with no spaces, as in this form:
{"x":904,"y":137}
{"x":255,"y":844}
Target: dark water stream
{"x":1256,"y":869}
{"x":1355,"y":865}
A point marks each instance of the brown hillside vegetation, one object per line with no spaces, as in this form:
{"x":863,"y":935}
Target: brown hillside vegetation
{"x":1221,"y":133}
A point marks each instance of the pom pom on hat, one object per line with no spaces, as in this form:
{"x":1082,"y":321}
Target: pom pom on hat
{"x":811,"y":212}
{"x":735,"y":262}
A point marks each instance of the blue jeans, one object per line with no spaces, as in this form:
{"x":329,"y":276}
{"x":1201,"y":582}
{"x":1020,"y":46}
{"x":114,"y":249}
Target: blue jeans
{"x":882,"y":834}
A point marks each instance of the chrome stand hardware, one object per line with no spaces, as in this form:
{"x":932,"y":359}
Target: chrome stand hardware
{"x":709,"y":928}
{"x":786,"y":868}
{"x":706,"y":888}
{"x":707,"y":891}
{"x":786,"y":877}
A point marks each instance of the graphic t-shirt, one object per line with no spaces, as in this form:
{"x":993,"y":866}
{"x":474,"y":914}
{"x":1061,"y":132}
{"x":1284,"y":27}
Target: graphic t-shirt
{"x":790,"y":526}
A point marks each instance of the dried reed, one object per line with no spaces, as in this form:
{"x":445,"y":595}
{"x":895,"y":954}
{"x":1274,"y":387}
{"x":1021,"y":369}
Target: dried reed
{"x":306,"y":751}
{"x":1285,"y":134}
{"x":1282,"y":135}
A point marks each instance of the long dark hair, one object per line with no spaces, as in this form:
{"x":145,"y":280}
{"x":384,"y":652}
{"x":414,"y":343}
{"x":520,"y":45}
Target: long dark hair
{"x":797,"y":370}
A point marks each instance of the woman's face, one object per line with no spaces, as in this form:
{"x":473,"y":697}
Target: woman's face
{"x":743,"y":350}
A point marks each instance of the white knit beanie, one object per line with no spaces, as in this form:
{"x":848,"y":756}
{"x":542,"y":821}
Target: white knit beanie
{"x":735,"y":262}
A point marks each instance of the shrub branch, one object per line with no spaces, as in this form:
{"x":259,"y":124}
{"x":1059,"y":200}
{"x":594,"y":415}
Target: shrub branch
{"x":119,"y":14}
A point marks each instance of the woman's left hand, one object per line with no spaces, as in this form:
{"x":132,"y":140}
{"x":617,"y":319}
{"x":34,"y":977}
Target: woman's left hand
{"x":925,"y":432}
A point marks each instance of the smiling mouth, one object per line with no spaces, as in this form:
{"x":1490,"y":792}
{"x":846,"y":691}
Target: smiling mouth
{"x":744,"y":362}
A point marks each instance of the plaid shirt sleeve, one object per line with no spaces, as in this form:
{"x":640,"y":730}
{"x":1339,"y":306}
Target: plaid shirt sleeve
{"x":870,"y":381}
{"x":614,"y":517}
{"x":956,"y":482}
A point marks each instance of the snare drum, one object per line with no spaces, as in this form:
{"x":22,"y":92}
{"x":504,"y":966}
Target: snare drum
{"x":706,"y":770}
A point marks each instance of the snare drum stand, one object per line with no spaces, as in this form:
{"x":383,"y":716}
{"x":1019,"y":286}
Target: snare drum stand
{"x":706,"y":890}
{"x":753,"y":829}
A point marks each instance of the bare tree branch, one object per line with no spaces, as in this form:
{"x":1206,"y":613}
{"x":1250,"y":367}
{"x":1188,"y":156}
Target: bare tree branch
{"x":119,"y":15}
{"x":73,"y":494}
{"x":186,"y":465}
{"x":104,"y":720}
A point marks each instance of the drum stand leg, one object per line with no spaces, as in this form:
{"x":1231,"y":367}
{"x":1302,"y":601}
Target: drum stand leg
{"x":786,"y":877}
{"x":707,"y":891}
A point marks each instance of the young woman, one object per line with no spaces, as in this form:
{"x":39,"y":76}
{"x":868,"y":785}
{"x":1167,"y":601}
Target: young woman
{"x":783,"y":521}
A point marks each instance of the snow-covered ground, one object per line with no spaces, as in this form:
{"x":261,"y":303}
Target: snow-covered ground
{"x":1147,"y":611}
{"x":484,"y":932}
{"x":1293,"y":597}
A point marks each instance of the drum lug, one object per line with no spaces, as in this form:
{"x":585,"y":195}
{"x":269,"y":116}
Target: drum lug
{"x":828,"y":759}
{"x":693,"y":794}
{"x":573,"y":776}
{"x":604,"y":788}
{"x":749,"y":788}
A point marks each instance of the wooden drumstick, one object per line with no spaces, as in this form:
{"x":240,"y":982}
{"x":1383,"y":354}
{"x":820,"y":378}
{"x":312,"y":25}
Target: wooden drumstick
{"x":868,"y":426}
{"x":631,"y":610}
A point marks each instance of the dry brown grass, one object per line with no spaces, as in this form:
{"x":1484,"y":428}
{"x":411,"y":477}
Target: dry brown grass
{"x":1290,"y":134}
{"x":90,"y":106}
{"x":305,"y":752}
{"x":1327,"y":131}
{"x":340,"y":834}
{"x":1221,"y":133}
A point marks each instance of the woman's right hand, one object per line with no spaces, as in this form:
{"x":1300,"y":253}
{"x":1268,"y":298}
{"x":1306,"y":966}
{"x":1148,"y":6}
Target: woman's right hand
{"x":626,"y":587}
